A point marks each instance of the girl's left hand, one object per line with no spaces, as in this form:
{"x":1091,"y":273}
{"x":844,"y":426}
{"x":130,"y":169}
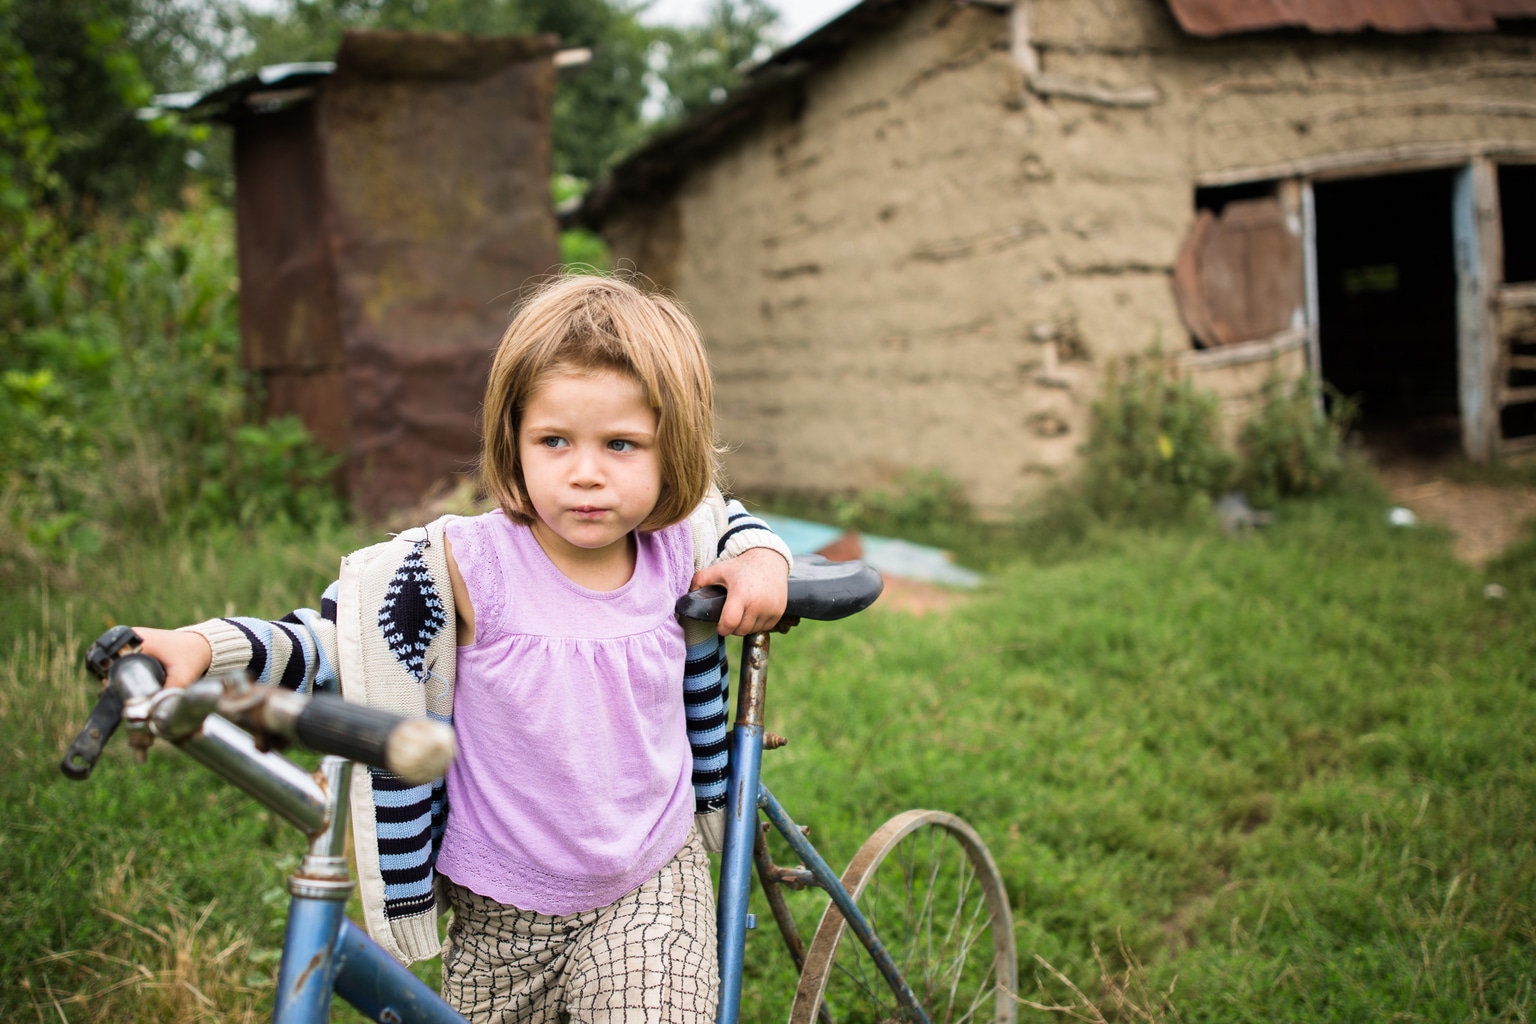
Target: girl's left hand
{"x":757,"y":589}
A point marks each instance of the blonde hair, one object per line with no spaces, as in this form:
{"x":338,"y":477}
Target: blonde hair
{"x":590,"y":323}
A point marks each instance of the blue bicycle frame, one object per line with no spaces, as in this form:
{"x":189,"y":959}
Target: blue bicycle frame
{"x":324,"y":952}
{"x":745,"y":794}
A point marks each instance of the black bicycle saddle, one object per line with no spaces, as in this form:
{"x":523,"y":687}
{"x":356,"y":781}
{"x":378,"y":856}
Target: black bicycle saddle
{"x":818,"y":589}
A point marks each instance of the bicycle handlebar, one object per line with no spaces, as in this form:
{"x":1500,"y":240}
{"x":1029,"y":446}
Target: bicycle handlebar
{"x":415,"y":749}
{"x":818,"y":589}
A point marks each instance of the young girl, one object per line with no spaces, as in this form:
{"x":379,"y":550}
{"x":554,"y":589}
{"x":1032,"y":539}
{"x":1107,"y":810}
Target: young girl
{"x":590,"y":722}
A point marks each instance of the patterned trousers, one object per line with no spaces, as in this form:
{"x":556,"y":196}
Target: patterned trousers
{"x":648,"y":956}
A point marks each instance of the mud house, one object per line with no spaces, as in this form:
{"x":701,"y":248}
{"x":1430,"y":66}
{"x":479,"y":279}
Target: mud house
{"x":918,"y":236}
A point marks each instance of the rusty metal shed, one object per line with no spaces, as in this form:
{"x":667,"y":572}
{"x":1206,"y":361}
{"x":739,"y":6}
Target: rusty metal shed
{"x":389,"y":208}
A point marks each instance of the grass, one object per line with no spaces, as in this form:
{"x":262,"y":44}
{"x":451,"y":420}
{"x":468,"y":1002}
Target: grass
{"x":1286,"y":776}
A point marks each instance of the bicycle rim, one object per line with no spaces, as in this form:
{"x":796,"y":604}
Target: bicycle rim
{"x":929,"y":888}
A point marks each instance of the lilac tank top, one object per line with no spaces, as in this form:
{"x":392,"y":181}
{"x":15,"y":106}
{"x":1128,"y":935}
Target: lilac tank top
{"x":573,"y":783}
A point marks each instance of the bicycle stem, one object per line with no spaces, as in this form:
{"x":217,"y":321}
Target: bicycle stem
{"x":184,"y":718}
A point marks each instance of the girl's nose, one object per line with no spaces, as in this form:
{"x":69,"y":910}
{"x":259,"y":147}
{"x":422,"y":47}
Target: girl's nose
{"x":586,"y":471}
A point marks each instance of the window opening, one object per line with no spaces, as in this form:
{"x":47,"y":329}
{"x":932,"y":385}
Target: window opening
{"x":1239,"y":275}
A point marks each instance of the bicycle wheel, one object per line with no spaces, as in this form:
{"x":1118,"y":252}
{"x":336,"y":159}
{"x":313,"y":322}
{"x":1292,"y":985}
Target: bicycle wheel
{"x":932,"y":894}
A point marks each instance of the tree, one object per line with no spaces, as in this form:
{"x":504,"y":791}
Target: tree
{"x":76,"y":74}
{"x":598,"y":110}
{"x":702,"y":63}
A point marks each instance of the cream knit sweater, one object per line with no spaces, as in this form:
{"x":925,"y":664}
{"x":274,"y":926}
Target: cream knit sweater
{"x":384,"y":636}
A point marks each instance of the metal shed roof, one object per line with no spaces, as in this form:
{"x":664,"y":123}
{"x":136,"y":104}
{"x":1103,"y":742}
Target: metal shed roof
{"x":1228,"y":17}
{"x":269,"y":89}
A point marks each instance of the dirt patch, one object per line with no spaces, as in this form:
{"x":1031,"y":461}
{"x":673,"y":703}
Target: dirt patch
{"x":1483,"y":519}
{"x":917,"y":598}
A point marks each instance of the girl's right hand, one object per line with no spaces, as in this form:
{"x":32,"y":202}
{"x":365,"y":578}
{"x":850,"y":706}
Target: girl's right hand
{"x":186,"y":656}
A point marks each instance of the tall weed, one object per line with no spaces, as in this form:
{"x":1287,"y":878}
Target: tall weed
{"x":1154,"y":452}
{"x":1292,"y":446}
{"x":178,"y":969}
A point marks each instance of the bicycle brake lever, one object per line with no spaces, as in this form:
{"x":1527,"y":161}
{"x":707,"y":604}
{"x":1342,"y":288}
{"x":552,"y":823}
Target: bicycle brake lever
{"x":86,"y":750}
{"x":117,"y":648}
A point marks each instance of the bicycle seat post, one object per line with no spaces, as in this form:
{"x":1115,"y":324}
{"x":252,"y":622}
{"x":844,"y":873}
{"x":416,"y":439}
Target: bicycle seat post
{"x":741,"y":821}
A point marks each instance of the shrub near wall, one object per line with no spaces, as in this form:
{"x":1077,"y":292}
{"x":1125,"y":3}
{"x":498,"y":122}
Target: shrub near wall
{"x":1155,"y":454}
{"x":1292,"y":446}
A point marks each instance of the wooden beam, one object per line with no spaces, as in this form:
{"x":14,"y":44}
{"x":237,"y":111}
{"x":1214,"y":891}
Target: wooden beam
{"x":1474,"y":231}
{"x":1516,"y":296}
{"x":1367,"y":162}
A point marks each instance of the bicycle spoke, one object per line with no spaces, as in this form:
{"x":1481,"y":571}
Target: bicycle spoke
{"x":930,"y":891}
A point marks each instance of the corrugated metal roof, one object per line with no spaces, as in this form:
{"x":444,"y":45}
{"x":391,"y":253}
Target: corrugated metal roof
{"x":1227,"y":17}
{"x":268,"y":90}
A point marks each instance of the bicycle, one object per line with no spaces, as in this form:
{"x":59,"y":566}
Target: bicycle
{"x":922,"y":896}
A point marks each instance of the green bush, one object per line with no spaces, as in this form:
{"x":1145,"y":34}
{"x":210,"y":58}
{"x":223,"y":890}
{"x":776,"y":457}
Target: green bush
{"x":122,"y":402}
{"x":1293,"y":447}
{"x":1154,"y":451}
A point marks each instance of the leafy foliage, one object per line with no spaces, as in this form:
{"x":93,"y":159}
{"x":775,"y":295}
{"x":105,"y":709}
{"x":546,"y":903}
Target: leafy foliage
{"x":579,"y":247}
{"x":699,"y":64}
{"x":78,"y":73}
{"x":122,"y":400}
{"x":1292,"y":447}
{"x":1154,"y":452}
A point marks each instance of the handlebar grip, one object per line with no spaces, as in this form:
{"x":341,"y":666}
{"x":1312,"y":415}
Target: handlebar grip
{"x":704,"y":604}
{"x":416,"y":749}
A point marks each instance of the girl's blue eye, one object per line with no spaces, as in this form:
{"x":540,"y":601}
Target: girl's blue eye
{"x":622,"y":446}
{"x":552,"y":442}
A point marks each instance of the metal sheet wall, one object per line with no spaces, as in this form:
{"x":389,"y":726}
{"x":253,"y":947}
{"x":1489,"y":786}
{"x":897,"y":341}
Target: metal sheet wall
{"x":386,"y":230}
{"x":288,"y":324}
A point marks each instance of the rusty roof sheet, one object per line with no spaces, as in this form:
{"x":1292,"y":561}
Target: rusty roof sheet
{"x":1227,"y":17}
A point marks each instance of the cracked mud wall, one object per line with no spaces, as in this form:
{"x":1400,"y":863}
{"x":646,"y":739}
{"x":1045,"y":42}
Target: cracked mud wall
{"x":926,"y":255}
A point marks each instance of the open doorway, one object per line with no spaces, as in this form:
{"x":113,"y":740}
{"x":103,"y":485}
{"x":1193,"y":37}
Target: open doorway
{"x":1386,"y":291}
{"x":1517,"y":215}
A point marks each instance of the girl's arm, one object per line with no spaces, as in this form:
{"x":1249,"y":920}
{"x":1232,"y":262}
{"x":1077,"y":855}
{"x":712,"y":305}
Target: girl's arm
{"x":297,"y":651}
{"x":737,"y":550}
{"x":757,"y":588}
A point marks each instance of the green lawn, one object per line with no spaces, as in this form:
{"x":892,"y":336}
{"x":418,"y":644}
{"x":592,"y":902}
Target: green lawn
{"x":1291,"y":776}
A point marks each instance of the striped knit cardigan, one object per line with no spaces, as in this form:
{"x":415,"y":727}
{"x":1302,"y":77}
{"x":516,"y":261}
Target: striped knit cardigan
{"x":384,"y":636}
